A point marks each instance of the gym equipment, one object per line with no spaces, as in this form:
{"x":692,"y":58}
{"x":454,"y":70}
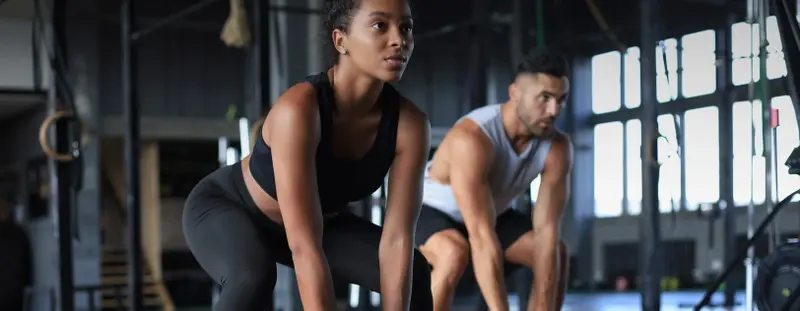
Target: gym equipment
{"x":757,"y":234}
{"x":777,"y":285}
{"x":794,"y":168}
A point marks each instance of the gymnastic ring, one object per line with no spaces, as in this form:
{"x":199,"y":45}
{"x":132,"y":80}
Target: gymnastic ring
{"x":777,"y":277}
{"x":45,"y":143}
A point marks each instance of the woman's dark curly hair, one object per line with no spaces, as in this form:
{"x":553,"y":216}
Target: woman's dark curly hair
{"x":339,"y":15}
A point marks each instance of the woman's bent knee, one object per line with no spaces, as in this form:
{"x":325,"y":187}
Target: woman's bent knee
{"x":247,"y":289}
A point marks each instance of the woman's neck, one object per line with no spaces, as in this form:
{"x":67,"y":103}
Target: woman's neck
{"x":354,"y":91}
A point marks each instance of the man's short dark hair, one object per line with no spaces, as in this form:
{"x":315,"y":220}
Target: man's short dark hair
{"x":546,"y":61}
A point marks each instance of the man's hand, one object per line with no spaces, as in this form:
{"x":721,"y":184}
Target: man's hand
{"x":547,"y":214}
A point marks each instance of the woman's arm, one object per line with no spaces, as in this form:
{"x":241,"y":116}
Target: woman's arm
{"x":404,"y":200}
{"x":292,"y":128}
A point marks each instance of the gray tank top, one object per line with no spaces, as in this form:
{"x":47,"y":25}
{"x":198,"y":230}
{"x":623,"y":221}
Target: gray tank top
{"x":510,"y":174}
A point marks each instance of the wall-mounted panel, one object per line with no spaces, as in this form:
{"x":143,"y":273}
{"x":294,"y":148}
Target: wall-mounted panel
{"x":17,"y":55}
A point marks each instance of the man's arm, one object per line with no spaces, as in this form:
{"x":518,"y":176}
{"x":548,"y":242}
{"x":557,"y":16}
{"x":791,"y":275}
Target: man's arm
{"x":293,"y":132}
{"x":547,"y":214}
{"x":469,"y":169}
{"x":404,"y":200}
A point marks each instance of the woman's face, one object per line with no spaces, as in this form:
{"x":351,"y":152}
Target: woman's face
{"x":380,"y":39}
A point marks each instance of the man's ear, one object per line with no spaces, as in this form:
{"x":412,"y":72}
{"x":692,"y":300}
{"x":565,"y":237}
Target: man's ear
{"x":339,"y":38}
{"x":513,"y":92}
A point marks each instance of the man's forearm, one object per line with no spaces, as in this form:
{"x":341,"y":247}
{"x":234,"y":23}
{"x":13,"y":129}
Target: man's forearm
{"x":395,"y":257}
{"x":487,"y":258}
{"x":546,"y":271}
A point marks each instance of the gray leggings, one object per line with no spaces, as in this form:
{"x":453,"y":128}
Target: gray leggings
{"x":238,"y":246}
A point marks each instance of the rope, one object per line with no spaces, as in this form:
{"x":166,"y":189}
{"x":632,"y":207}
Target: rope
{"x":236,"y":33}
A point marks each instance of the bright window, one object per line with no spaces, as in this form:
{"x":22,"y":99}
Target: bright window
{"x":608,"y":169}
{"x":744,"y":116}
{"x":606,"y":82}
{"x":698,"y":59}
{"x":633,"y":78}
{"x":669,"y":182}
{"x":667,"y":86}
{"x":742,"y":47}
{"x":633,"y":137}
{"x":702,"y":156}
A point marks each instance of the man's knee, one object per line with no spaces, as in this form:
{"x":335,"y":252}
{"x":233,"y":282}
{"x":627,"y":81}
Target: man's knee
{"x":447,"y":251}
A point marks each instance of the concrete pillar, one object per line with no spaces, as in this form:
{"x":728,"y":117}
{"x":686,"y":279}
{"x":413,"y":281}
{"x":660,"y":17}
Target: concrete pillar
{"x":579,"y":216}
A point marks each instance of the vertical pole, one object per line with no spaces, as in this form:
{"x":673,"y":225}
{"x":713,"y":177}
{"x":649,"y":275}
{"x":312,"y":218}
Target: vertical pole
{"x":61,"y":196}
{"x":515,"y":35}
{"x":132,"y":183}
{"x":649,"y":223}
{"x":725,"y":106}
{"x":260,"y":55}
{"x":749,"y":277}
{"x":479,"y":65}
{"x":625,"y":202}
{"x":540,"y":23}
{"x":766,"y":108}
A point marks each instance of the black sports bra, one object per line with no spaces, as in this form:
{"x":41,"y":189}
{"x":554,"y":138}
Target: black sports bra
{"x":339,"y":181}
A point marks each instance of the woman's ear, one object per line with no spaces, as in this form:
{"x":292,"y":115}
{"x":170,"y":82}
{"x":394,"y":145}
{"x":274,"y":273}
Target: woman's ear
{"x":339,"y":38}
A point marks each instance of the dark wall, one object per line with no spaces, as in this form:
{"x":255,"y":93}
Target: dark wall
{"x":182,"y":73}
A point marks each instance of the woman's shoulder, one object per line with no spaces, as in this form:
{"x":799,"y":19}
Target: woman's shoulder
{"x":299,"y":102}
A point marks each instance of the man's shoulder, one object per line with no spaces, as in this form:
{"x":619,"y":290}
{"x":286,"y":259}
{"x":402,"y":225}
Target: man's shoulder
{"x":468,"y":132}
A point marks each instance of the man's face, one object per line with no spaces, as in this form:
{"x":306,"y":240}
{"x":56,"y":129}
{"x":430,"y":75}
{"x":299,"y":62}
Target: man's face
{"x":539,"y":99}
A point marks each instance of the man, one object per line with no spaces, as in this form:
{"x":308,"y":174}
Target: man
{"x":488,"y":158}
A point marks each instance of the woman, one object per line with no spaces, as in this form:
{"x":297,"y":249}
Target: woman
{"x":325,"y":142}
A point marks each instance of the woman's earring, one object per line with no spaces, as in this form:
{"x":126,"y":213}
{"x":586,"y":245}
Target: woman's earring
{"x":344,"y":52}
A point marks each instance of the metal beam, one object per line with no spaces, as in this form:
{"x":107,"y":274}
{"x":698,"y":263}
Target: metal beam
{"x":130,"y":105}
{"x":737,"y":93}
{"x":650,"y":252}
{"x":61,"y":192}
{"x":725,"y":107}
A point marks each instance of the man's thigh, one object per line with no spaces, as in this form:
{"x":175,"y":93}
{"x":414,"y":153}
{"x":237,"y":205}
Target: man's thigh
{"x":511,"y":228}
{"x":432,"y":221}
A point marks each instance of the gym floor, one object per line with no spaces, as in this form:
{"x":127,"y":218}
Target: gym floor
{"x":670,"y":301}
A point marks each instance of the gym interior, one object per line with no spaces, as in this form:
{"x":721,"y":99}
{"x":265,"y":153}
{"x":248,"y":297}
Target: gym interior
{"x":114,"y":110}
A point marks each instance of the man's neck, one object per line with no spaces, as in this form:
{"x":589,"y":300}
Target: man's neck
{"x":513,"y":126}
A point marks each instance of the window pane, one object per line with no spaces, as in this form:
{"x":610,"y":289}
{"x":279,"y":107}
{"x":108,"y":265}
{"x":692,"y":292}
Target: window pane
{"x":787,"y":140}
{"x":776,"y":65}
{"x":745,"y":40}
{"x":669,"y":181}
{"x":698,"y":61}
{"x":608,"y":169}
{"x":744,"y":116}
{"x":667,"y":86}
{"x":606,"y":82}
{"x":633,"y":78}
{"x":633,"y":137}
{"x":702,"y":156}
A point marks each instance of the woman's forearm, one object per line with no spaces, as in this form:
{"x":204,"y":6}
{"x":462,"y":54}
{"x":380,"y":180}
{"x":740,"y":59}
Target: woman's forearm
{"x":314,"y":281}
{"x":395,"y":256}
